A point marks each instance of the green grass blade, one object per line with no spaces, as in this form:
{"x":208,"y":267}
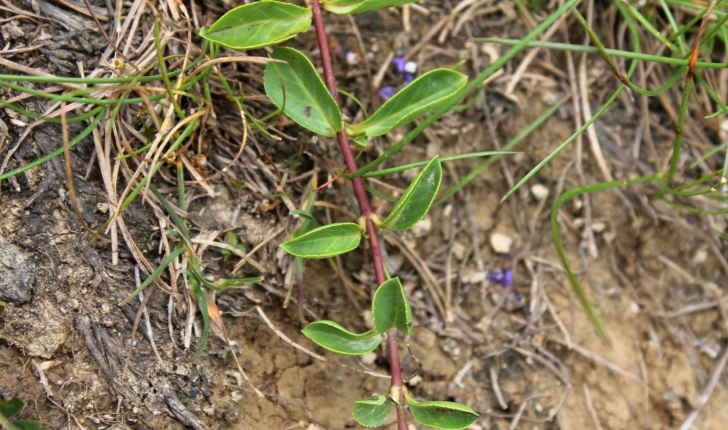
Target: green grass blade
{"x":566,"y":143}
{"x":167,"y":261}
{"x":612,"y":52}
{"x":575,"y":285}
{"x":470,"y":87}
{"x":511,"y":143}
{"x":424,"y":163}
{"x":58,"y":151}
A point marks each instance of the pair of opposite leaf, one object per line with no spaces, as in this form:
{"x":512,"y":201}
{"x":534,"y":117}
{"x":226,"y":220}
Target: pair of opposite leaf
{"x":295,"y":87}
{"x":335,"y":239}
{"x":390,"y":309}
{"x":440,"y":415}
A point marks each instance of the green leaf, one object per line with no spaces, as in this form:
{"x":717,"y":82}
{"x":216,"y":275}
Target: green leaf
{"x":228,"y":283}
{"x":336,"y":338}
{"x":10,"y":407}
{"x":327,"y":241}
{"x":442,"y":415}
{"x":390,"y":308}
{"x":26,"y":425}
{"x":306,"y":101}
{"x":372,"y":413}
{"x":424,"y":95}
{"x":360,"y":140}
{"x":194,"y":285}
{"x":343,"y":7}
{"x":418,"y":198}
{"x":259,"y":24}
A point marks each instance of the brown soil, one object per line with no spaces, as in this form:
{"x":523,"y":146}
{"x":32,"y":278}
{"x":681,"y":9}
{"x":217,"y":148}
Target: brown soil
{"x":528,"y":363}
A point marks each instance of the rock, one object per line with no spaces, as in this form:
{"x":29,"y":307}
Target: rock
{"x":539,"y":192}
{"x":598,"y":227}
{"x":369,"y":358}
{"x":458,"y":250}
{"x":423,"y":227}
{"x":17,"y":273}
{"x":501,"y":243}
{"x":38,"y":328}
{"x":700,"y":257}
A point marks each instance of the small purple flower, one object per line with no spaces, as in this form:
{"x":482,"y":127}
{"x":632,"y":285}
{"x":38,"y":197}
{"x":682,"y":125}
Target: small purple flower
{"x":408,"y":78}
{"x":387,"y":92}
{"x":502,"y":276}
{"x":400,"y":63}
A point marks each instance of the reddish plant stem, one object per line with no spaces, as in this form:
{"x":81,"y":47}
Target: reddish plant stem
{"x":364,"y":206}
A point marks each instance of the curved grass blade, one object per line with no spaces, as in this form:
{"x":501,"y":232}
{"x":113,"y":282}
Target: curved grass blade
{"x":422,"y":96}
{"x":575,"y":285}
{"x":441,"y":415}
{"x":327,"y":241}
{"x":259,"y":24}
{"x":300,"y":92}
{"x":418,"y":198}
{"x":390,"y":308}
{"x":345,"y":7}
{"x":335,"y":338}
{"x":372,"y":413}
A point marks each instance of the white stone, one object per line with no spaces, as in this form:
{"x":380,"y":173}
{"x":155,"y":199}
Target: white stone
{"x":352,"y":58}
{"x":458,"y":250}
{"x":501,"y":243}
{"x":598,"y":227}
{"x":369,"y":358}
{"x":701,"y":256}
{"x":539,"y":192}
{"x":415,"y":380}
{"x":423,"y":227}
{"x":410,"y":67}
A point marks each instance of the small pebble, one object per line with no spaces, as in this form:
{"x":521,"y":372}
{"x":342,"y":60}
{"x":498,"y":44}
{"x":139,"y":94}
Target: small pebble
{"x":501,"y":243}
{"x":410,"y":67}
{"x":539,"y":192}
{"x":369,"y":358}
{"x":701,"y":256}
{"x":352,"y":58}
{"x":414,"y":381}
{"x":423,"y":227}
{"x":634,"y":307}
{"x":598,"y":227}
{"x":458,"y":250}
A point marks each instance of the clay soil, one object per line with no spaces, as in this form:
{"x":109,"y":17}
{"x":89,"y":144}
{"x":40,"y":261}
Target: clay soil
{"x":524,"y":357}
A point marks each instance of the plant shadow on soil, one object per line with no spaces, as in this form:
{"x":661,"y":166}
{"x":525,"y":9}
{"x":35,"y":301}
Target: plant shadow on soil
{"x":508,"y":359}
